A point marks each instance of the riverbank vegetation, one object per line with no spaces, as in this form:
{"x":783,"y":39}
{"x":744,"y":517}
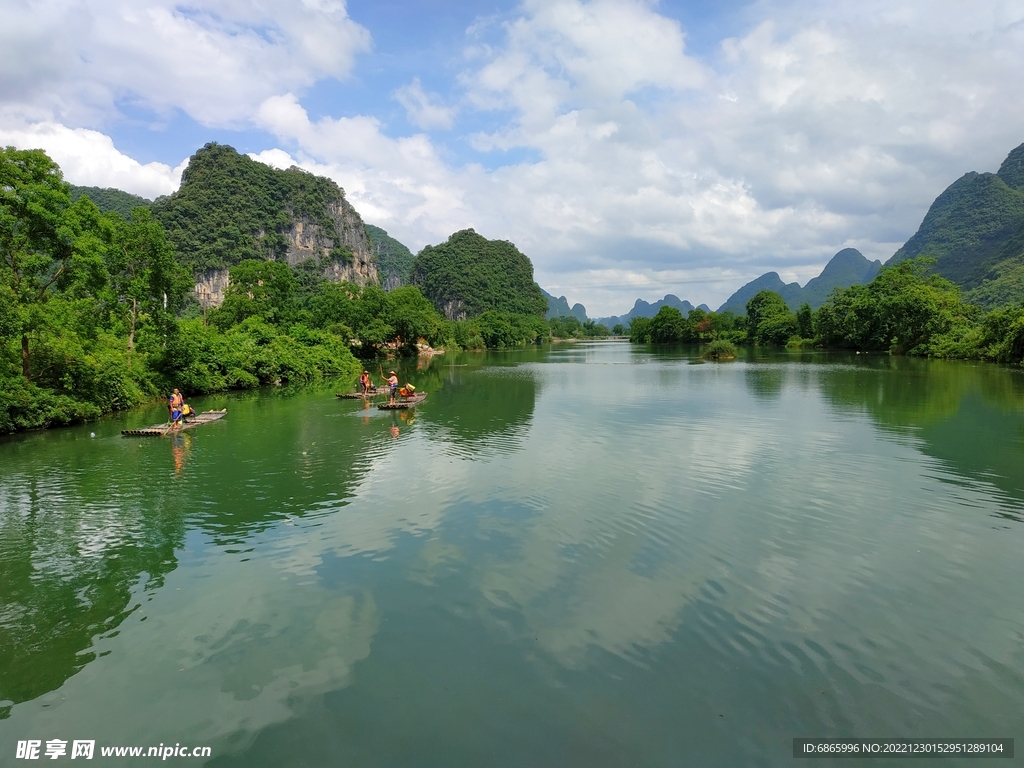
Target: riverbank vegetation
{"x":89,"y":306}
{"x":97,"y":315}
{"x":570,"y":327}
{"x":906,"y":310}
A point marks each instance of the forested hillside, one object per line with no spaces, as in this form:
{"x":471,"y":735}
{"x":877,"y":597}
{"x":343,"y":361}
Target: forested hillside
{"x":468,"y":275}
{"x":975,"y":232}
{"x":109,"y":199}
{"x":230,"y":208}
{"x":394,"y":260}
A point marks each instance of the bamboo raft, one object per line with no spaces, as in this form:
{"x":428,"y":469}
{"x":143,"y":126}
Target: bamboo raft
{"x":159,"y":430}
{"x":404,"y":402}
{"x":359,"y":395}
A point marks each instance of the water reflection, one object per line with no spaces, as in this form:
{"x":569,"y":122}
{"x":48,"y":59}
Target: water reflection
{"x":970,"y":417}
{"x":587,"y":546}
{"x":482,"y":410}
{"x":87,"y":526}
{"x":72,"y":556}
{"x":765,"y":381}
{"x":181,"y":444}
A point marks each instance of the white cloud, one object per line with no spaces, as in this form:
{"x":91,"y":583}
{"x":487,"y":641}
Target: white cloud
{"x":815,"y":127}
{"x":809,"y":133}
{"x":216,"y":61}
{"x":421,"y":107}
{"x":90,"y":158}
{"x":398,"y":183}
{"x":815,"y":130}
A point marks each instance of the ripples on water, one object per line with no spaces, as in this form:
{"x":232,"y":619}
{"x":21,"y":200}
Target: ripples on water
{"x":587,"y":555}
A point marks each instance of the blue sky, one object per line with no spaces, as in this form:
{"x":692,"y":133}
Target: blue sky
{"x":630,"y":148}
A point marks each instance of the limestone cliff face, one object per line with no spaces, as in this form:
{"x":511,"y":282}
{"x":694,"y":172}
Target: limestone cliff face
{"x":307,"y":240}
{"x":210,"y":287}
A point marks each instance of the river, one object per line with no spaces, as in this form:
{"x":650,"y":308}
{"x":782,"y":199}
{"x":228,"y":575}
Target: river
{"x":579,"y":555}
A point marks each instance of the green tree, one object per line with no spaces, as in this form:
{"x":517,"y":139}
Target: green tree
{"x":496,"y":329}
{"x":699,"y":326}
{"x":776,"y":330}
{"x":146,"y":280}
{"x":903,"y":310}
{"x":804,"y":321}
{"x":47,"y":243}
{"x":566,"y":327}
{"x":769,"y":320}
{"x":413,"y":316}
{"x":640,"y":330}
{"x":1002,"y":335}
{"x":667,"y":326}
{"x":257,"y":288}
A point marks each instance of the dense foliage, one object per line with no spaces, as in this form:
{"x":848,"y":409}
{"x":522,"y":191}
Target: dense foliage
{"x":468,"y":275}
{"x":570,"y":327}
{"x":966,"y":226}
{"x":769,"y":320}
{"x":89,"y":303}
{"x":111,"y":200}
{"x":394,"y":260}
{"x":906,"y":310}
{"x":230,"y":208}
{"x":375,"y":320}
{"x":669,"y":326}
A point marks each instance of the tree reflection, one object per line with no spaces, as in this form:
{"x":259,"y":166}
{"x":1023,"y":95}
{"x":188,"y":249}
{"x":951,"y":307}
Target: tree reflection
{"x":970,"y":416}
{"x":481,"y":410}
{"x":69,"y":564}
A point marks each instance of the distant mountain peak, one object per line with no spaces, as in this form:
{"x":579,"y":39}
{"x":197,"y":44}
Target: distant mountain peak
{"x":559,"y":307}
{"x":848,"y":267}
{"x":642,"y":308}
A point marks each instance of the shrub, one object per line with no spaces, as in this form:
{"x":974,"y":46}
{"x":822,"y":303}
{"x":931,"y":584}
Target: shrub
{"x":719,"y":349}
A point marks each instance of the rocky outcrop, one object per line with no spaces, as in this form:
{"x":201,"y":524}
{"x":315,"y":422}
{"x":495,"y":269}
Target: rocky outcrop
{"x":348,"y":257}
{"x":454,"y":309}
{"x":210,"y":287}
{"x":307,"y":240}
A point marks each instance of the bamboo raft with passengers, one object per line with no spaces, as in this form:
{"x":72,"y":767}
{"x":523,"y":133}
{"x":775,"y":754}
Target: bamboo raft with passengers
{"x":372,"y":392}
{"x":159,"y":430}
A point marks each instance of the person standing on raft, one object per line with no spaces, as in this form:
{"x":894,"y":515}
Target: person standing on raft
{"x":393,"y":385}
{"x":365,"y":385}
{"x":176,"y":403}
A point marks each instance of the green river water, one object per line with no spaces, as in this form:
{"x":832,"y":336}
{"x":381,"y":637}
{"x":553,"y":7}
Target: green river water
{"x":579,"y":555}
